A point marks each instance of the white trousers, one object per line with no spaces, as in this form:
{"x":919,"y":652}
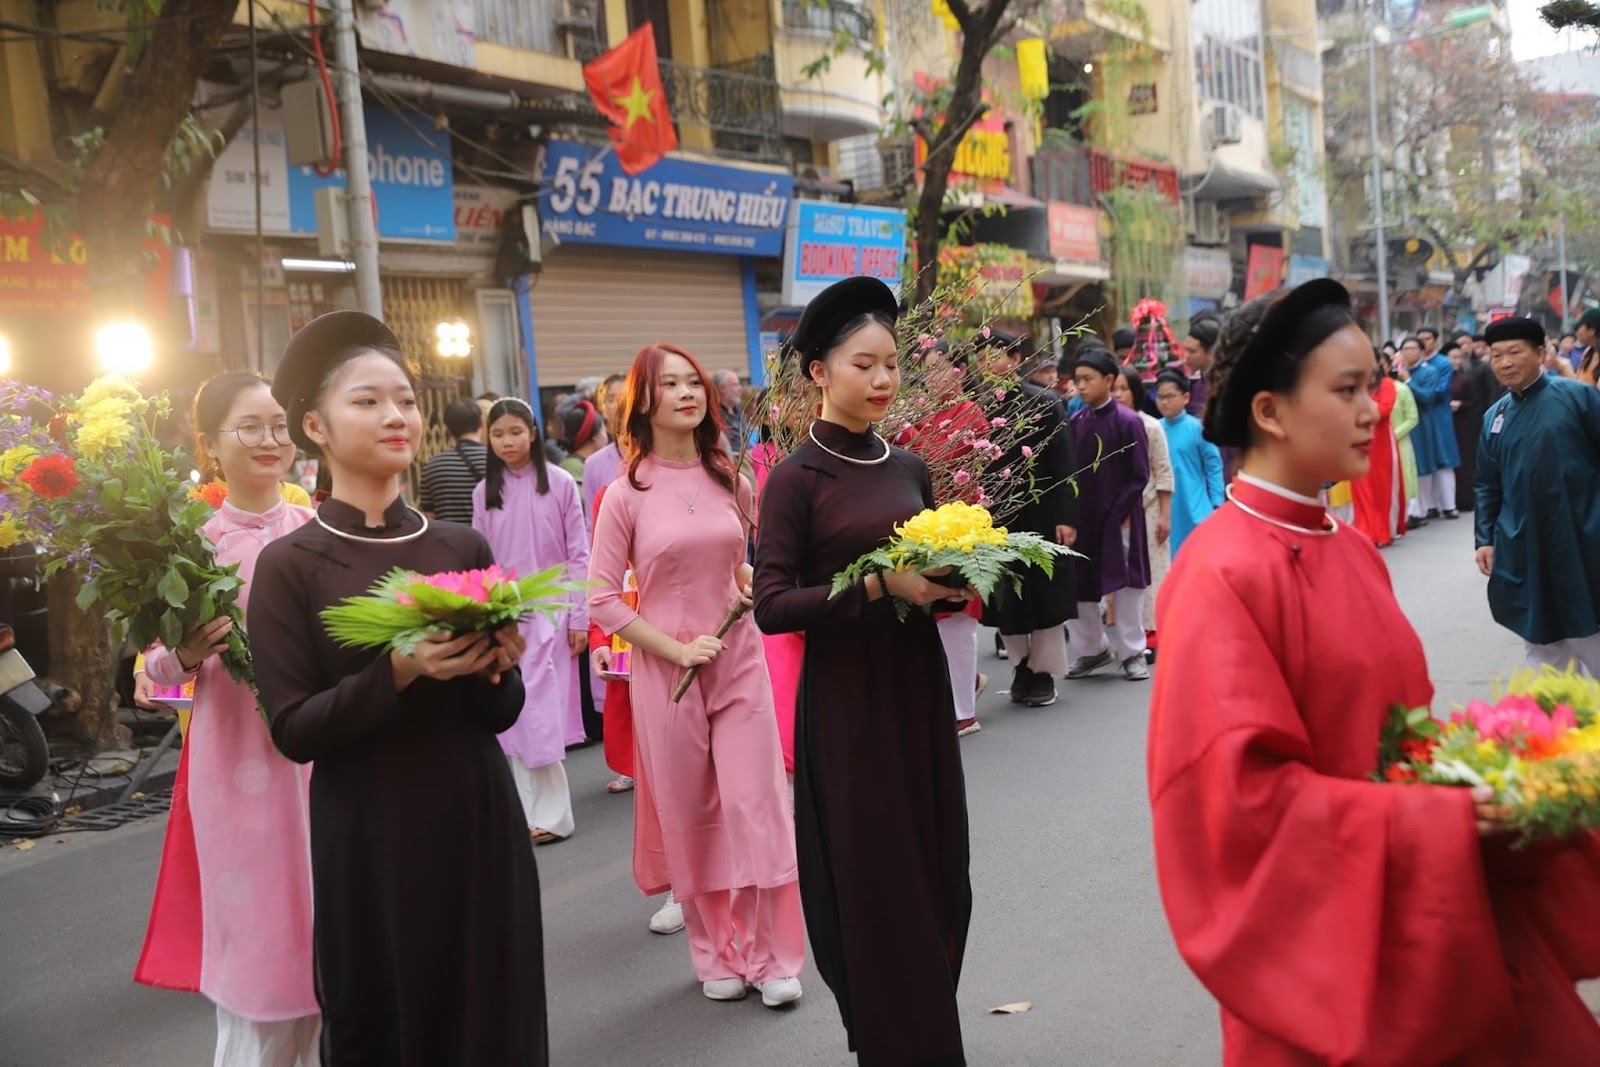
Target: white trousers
{"x":246,"y":1043}
{"x":546,"y":800}
{"x":1126,"y":640}
{"x":1437,"y":491}
{"x":959,"y":633}
{"x":1584,"y":652}
{"x":1045,"y":650}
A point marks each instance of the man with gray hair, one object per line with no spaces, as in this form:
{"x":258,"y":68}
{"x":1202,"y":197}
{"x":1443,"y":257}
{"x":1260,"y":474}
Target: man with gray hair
{"x":730,"y":395}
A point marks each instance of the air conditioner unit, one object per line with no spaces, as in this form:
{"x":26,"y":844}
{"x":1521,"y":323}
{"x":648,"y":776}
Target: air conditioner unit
{"x":1226,"y":125}
{"x":578,"y":15}
{"x":899,"y":160}
{"x":1207,"y":224}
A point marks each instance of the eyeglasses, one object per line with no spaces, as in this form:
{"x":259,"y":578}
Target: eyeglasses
{"x":254,"y":435}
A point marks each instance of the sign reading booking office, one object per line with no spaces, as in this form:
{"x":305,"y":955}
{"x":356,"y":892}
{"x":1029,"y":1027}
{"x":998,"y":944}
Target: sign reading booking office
{"x":681,"y":204}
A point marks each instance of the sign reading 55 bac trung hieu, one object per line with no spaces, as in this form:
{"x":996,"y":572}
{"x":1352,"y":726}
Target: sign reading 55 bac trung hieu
{"x":683,"y":204}
{"x":830,"y":242}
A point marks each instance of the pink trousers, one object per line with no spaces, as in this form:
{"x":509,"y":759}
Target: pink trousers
{"x":755,"y":934}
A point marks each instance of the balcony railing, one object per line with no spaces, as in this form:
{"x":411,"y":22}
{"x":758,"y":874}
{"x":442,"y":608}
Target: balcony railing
{"x":1078,"y":175}
{"x":1063,"y":174}
{"x":831,"y":16}
{"x":737,"y":103}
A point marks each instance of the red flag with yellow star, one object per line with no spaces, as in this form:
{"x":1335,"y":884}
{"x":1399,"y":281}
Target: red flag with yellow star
{"x":625,"y":84}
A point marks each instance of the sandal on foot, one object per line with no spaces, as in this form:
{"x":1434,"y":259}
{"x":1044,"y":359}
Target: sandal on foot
{"x":621,"y":784}
{"x":541,"y":836}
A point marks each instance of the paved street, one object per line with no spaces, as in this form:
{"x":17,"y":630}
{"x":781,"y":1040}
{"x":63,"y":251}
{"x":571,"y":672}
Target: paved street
{"x":1066,"y":914}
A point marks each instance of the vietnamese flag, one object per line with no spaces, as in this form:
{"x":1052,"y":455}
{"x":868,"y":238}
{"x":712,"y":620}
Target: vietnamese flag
{"x":625,"y":84}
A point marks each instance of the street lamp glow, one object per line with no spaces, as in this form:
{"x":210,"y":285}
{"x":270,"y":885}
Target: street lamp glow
{"x":1088,"y":68}
{"x":454,"y":340}
{"x":124,"y":348}
{"x":5,"y":356}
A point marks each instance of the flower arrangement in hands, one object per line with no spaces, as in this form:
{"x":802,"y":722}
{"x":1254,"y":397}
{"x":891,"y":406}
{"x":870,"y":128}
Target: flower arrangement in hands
{"x":1536,"y":748}
{"x":959,"y":539}
{"x":86,"y":478}
{"x":405,"y":609}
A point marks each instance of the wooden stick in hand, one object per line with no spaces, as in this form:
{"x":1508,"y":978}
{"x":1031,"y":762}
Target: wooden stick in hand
{"x":735,"y":613}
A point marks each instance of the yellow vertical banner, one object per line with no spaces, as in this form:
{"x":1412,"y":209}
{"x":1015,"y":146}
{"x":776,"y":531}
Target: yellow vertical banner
{"x":1033,"y":68}
{"x":942,"y":12}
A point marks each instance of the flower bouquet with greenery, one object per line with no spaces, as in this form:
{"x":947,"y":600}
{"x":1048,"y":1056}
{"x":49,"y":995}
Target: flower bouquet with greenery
{"x":404,"y":608}
{"x":962,"y":537}
{"x":1537,"y":746}
{"x":87,"y":479}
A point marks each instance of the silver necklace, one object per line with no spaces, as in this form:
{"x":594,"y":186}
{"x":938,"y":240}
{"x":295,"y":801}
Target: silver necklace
{"x":1291,"y":527}
{"x":378,"y":540}
{"x":690,"y":503}
{"x":812,"y":433}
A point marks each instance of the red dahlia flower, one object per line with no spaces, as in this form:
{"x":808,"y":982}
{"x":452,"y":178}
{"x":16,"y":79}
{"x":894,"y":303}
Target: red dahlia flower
{"x":50,"y":476}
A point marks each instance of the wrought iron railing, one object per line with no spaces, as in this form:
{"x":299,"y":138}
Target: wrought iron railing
{"x":831,"y":16}
{"x":737,"y":103}
{"x":1063,"y":174}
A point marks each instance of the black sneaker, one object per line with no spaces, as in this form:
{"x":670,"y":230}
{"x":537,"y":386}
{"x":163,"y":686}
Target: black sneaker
{"x":1021,"y":683}
{"x":1042,"y":693}
{"x":1416,"y":524}
{"x":1433,"y":513}
{"x":1452,"y":514}
{"x":999,"y":645}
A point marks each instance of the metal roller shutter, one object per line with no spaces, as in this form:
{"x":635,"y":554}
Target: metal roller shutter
{"x":594,"y":308}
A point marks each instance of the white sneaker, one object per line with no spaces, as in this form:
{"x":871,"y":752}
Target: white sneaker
{"x":779,"y":992}
{"x":669,"y":920}
{"x":1134,"y":668}
{"x":725,"y":989}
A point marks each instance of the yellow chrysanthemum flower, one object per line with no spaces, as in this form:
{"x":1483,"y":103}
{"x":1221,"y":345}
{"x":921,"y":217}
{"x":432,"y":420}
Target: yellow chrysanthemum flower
{"x":956,"y":525}
{"x":10,"y":532}
{"x":12,"y":460}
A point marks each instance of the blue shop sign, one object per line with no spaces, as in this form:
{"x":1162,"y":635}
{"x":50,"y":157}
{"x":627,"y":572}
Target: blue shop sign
{"x":681,"y":204}
{"x":1303,"y":269}
{"x":830,"y":242}
{"x":411,"y":181}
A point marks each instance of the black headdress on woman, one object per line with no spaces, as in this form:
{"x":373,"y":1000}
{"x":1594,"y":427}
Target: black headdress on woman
{"x":312,"y":352}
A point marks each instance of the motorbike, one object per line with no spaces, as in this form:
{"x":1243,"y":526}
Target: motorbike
{"x":24,"y":753}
